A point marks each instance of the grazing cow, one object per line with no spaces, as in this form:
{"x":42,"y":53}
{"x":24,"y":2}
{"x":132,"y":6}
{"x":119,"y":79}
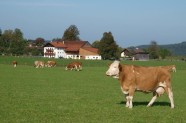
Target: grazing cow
{"x":146,"y":79}
{"x":39,"y":64}
{"x":50,"y":64}
{"x":14,"y":63}
{"x":74,"y":65}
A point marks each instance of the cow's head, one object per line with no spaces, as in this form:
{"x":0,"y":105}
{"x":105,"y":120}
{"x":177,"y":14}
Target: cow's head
{"x":113,"y":69}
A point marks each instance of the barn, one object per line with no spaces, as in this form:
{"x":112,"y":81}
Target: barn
{"x":71,"y":50}
{"x":134,"y":54}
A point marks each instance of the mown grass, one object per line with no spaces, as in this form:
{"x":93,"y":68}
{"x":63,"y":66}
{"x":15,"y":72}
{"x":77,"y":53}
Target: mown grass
{"x":53,"y":95}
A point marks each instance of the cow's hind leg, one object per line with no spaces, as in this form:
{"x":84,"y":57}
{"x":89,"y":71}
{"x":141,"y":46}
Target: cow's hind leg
{"x":159,"y":91}
{"x":170,"y":95}
{"x":153,"y":99}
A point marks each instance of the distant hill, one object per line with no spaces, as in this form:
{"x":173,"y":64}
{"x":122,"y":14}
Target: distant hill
{"x":178,"y":49}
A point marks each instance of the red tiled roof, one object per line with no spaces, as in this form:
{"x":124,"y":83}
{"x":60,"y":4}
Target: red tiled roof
{"x":71,"y":45}
{"x":74,"y":45}
{"x":58,"y":44}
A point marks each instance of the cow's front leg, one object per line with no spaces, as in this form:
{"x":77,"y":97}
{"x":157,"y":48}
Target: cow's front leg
{"x":130,"y":101}
{"x":126,"y":96}
{"x":130,"y":97}
{"x":127,"y":100}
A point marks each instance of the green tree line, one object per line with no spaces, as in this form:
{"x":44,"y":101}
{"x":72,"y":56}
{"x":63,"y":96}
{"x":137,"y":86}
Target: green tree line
{"x":12,"y":42}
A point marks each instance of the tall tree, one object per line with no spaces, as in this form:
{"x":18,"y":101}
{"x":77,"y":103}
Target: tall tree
{"x":12,"y":42}
{"x":71,"y":34}
{"x":153,"y":50}
{"x":1,"y":43}
{"x":0,"y":32}
{"x":107,"y":47}
{"x":7,"y":39}
{"x":18,"y":43}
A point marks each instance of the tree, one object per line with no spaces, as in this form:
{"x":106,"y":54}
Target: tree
{"x":164,"y":53}
{"x":12,"y":42}
{"x":1,"y":43}
{"x":18,"y":43}
{"x":153,"y":50}
{"x":71,"y":34}
{"x":39,"y":41}
{"x":0,"y":32}
{"x":6,"y":41}
{"x":96,"y":44}
{"x":107,"y":47}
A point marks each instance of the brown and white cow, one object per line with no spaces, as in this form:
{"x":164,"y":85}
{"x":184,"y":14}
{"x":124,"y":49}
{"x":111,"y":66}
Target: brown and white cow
{"x":50,"y":64}
{"x":39,"y":64}
{"x":14,"y":63}
{"x":74,"y":66}
{"x":146,"y":79}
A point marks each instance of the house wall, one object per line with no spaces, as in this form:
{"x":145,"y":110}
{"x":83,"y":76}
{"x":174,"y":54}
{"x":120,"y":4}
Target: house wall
{"x":49,"y":54}
{"x":141,"y":57}
{"x":85,"y":54}
{"x":73,"y":56}
{"x":123,"y":55}
{"x":93,"y":57}
{"x":57,"y":52}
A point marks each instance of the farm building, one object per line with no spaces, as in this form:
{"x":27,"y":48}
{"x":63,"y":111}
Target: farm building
{"x":71,"y":50}
{"x":135,"y":54}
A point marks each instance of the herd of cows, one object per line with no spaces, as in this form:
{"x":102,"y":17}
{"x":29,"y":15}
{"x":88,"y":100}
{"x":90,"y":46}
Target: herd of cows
{"x":41,"y":64}
{"x":156,"y":80}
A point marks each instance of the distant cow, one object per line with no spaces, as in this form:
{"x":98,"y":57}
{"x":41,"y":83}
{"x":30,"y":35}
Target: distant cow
{"x":74,"y":66}
{"x":146,"y":79}
{"x":50,"y":64}
{"x":39,"y":64}
{"x":14,"y":63}
{"x":171,"y":68}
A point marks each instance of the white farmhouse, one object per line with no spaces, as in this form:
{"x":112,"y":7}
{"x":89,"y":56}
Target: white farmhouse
{"x":71,"y":50}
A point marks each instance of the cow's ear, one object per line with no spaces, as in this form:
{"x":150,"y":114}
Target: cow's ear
{"x":120,"y":67}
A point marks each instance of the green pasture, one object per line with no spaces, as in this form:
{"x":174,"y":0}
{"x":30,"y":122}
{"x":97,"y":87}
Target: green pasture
{"x":53,"y":95}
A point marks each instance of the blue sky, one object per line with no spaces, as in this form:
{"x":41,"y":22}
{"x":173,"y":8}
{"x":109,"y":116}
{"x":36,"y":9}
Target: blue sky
{"x":132,"y":22}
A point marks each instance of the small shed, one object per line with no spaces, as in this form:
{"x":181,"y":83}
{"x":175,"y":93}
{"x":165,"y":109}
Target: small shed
{"x":134,"y":54}
{"x":140,"y":55}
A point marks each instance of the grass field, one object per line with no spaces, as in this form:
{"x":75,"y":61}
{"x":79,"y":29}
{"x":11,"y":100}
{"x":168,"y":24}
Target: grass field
{"x":53,"y":95}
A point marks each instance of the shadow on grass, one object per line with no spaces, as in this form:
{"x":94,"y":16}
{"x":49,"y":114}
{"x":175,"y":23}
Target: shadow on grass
{"x":146,"y":103}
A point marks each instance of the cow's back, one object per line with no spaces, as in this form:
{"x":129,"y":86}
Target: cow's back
{"x":143,"y":78}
